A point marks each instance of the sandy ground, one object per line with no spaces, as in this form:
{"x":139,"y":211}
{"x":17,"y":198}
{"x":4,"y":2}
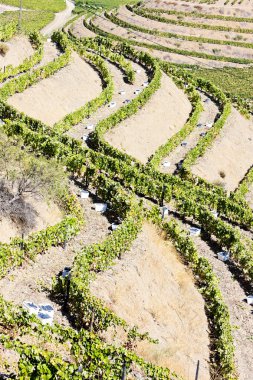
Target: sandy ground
{"x":79,"y":30}
{"x":4,"y":8}
{"x":47,"y":215}
{"x":50,"y":53}
{"x":19,"y":49}
{"x":231,"y":153}
{"x":175,"y":43}
{"x":60,"y":19}
{"x":108,"y":26}
{"x":53,"y":98}
{"x":132,"y":18}
{"x":240,"y":312}
{"x":103,"y":112}
{"x":161,"y":299}
{"x":163,"y":115}
{"x":207,"y":116}
{"x":243,"y":10}
{"x":31,"y":281}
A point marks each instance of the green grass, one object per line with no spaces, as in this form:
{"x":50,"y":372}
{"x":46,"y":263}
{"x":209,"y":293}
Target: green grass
{"x":31,"y":20}
{"x":42,"y":5}
{"x":233,"y":81}
{"x":105,"y":4}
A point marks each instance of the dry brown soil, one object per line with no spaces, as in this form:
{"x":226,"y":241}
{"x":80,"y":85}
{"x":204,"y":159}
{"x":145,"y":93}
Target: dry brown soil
{"x":164,"y":114}
{"x":231,"y":153}
{"x":55,"y":97}
{"x":48,"y":214}
{"x":19,"y":49}
{"x":152,"y":289}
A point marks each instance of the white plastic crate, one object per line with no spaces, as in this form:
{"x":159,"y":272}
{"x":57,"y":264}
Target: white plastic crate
{"x":194,"y":231}
{"x":166,"y":164}
{"x":84,"y":194}
{"x":100,"y":207}
{"x":223,"y":255}
{"x":31,"y":307}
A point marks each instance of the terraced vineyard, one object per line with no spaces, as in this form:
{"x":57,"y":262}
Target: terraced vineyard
{"x":126,"y":191}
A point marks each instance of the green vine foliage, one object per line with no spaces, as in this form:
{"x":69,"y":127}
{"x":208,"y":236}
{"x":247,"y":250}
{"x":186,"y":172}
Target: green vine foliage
{"x":93,"y":259}
{"x":7,"y":31}
{"x":216,"y":309}
{"x":155,"y":15}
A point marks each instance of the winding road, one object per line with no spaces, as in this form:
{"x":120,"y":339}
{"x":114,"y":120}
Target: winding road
{"x":60,"y":19}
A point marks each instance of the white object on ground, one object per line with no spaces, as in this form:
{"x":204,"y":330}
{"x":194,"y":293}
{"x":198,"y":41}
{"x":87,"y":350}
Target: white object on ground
{"x":100,"y":207}
{"x":194,"y":231}
{"x":122,"y":92}
{"x":138,"y":71}
{"x":250,"y":300}
{"x":223,"y":256}
{"x":164,"y":210}
{"x":137,"y":91}
{"x":47,"y":309}
{"x":45,"y":318}
{"x":84,"y":194}
{"x":166,"y":164}
{"x":215,"y":213}
{"x":66,"y":272}
{"x":114,"y":226}
{"x":90,"y":126}
{"x":31,"y":307}
{"x":127,"y":101}
{"x":145,"y":84}
{"x":112,"y":104}
{"x":184,"y":143}
{"x":209,"y":125}
{"x":85,"y":137}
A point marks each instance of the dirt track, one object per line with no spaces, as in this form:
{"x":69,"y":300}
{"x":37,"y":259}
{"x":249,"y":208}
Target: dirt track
{"x":60,"y":19}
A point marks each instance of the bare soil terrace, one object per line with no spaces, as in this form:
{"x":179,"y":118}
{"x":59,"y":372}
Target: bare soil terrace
{"x":164,"y":114}
{"x":230,"y":153}
{"x":19,"y":49}
{"x":53,"y":98}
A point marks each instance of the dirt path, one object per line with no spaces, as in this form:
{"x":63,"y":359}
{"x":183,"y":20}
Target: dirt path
{"x":164,"y":114}
{"x":60,"y":19}
{"x":178,"y":154}
{"x":50,"y":53}
{"x":33,"y":279}
{"x":79,"y":130}
{"x":230,"y":154}
{"x":19,"y":49}
{"x":53,"y":98}
{"x":5,"y":8}
{"x":161,"y":299}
